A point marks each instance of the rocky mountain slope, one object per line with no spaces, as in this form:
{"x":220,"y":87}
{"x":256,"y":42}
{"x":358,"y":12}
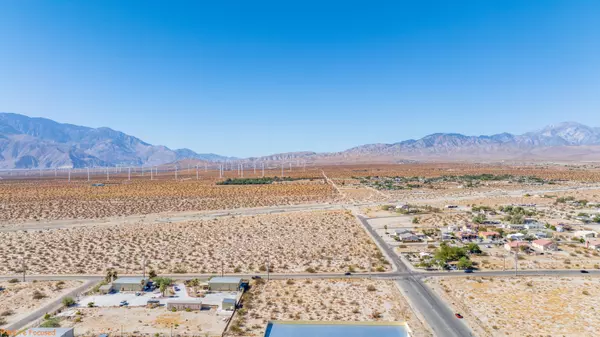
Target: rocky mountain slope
{"x":27,"y":142}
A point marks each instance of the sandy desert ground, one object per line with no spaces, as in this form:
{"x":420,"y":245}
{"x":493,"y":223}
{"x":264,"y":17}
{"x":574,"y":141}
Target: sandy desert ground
{"x":36,"y":200}
{"x":323,"y":300}
{"x":319,"y":241}
{"x":525,"y":306}
{"x":17,"y":299}
{"x":148,"y":322}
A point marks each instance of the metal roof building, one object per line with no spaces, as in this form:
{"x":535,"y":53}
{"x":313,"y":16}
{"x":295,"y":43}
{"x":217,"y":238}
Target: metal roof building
{"x":224,"y":283}
{"x":336,"y":329}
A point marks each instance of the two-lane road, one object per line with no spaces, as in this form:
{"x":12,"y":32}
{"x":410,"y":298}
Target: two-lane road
{"x":435,"y":311}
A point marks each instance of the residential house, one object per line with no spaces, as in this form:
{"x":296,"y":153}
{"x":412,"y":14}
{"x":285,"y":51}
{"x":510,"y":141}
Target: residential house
{"x":541,"y":235}
{"x":402,"y":206}
{"x":465,"y":235}
{"x":129,"y":284}
{"x":512,"y":226}
{"x":533,"y":225}
{"x":584,"y":234}
{"x":593,"y":244}
{"x":544,"y":245}
{"x":560,"y":228}
{"x":489,"y":235}
{"x":452,"y":228}
{"x":408,"y":237}
{"x":515,"y":245}
{"x":516,"y":236}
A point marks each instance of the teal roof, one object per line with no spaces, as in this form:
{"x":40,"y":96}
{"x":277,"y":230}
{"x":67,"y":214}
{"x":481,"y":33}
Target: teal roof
{"x":323,"y":329}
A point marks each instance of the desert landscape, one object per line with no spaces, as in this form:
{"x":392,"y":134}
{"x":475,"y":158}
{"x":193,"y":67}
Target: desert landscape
{"x":17,"y":298}
{"x":50,"y":200}
{"x":524,"y":306}
{"x":319,"y":241}
{"x":323,"y":300}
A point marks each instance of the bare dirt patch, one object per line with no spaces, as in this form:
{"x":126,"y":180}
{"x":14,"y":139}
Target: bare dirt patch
{"x":320,"y":241}
{"x":19,"y":299}
{"x":323,"y":300}
{"x":525,"y":306}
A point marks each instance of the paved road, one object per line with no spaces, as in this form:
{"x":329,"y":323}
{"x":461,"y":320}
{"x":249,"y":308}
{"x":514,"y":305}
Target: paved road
{"x":435,"y":311}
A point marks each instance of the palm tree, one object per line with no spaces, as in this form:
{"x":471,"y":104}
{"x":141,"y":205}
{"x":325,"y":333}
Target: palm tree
{"x":111,"y":274}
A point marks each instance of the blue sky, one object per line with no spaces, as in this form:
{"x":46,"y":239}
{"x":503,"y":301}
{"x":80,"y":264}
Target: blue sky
{"x":248,"y":78}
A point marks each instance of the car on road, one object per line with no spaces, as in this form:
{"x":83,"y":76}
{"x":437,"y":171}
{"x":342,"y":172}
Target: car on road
{"x":459,"y":316}
{"x":583,"y":271}
{"x":347,"y":273}
{"x":468,"y":271}
{"x":256,"y":277}
{"x":123,"y":303}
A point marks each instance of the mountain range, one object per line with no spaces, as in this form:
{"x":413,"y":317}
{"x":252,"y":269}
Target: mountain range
{"x":27,"y":142}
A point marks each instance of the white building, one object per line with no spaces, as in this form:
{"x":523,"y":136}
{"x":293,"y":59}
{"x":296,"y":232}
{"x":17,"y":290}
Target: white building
{"x":584,"y":234}
{"x":516,"y":236}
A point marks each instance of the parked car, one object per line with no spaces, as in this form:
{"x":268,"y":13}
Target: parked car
{"x":138,"y":294}
{"x":123,"y":303}
{"x":176,"y":288}
{"x":256,"y":277}
{"x":468,"y":271}
{"x":347,"y":273}
{"x":583,"y":271}
{"x":459,"y":316}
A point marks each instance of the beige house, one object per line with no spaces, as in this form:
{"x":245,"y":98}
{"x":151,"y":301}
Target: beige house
{"x":186,"y":303}
{"x":543,"y":245}
{"x":515,"y":245}
{"x":593,"y":244}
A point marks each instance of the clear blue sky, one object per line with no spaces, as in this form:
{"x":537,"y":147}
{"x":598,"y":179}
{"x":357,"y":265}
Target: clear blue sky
{"x":247,"y":78}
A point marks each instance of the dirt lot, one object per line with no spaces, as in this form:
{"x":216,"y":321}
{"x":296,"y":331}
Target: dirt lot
{"x":145,"y":322}
{"x":525,"y":306}
{"x":320,"y":241}
{"x":17,"y":299}
{"x":323,"y":300}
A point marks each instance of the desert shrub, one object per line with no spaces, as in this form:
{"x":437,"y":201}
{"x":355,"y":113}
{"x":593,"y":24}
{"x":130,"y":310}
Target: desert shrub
{"x":68,"y":301}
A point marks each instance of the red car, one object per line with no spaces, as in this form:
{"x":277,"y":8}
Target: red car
{"x":459,"y":316}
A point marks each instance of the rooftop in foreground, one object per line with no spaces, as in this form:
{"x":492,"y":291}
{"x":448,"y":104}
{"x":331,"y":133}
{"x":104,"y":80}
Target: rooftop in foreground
{"x":336,"y":329}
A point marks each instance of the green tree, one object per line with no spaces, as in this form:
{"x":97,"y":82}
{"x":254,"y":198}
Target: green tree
{"x":152,"y":274}
{"x":68,"y":301}
{"x":479,"y":218}
{"x":473,"y":248}
{"x":464,"y":263}
{"x":415,"y":220}
{"x":162,"y":287}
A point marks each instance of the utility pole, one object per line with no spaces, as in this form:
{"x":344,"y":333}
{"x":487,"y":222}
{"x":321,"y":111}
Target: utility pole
{"x":69,"y":175}
{"x":88,"y":172}
{"x":151,"y":176}
{"x":197,"y":174}
{"x":254,"y":168}
{"x":242,"y":169}
{"x":24,"y":266}
{"x":516,"y":260}
{"x":129,"y":173}
{"x":222,"y":267}
{"x":55,"y":172}
{"x":107,"y":175}
{"x":268,"y":267}
{"x":143,"y":268}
